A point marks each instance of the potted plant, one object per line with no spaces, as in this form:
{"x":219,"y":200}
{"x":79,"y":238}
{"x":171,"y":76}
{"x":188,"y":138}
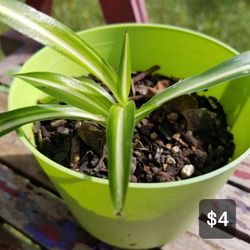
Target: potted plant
{"x":154,"y":213}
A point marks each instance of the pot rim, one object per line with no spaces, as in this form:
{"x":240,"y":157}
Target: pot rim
{"x":83,"y":176}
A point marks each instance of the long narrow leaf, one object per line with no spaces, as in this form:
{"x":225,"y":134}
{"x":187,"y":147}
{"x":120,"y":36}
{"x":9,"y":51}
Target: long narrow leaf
{"x":124,"y":77}
{"x":120,"y":128}
{"x":96,"y":86}
{"x":15,"y":118}
{"x":52,"y":33}
{"x":85,"y":95}
{"x":236,"y":67}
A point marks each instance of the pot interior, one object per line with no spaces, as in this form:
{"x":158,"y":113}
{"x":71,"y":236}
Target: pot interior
{"x":180,"y":53}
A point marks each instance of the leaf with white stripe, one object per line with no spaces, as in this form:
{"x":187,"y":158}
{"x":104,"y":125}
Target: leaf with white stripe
{"x":124,"y":76}
{"x":84,"y":94}
{"x":54,"y":34}
{"x":236,"y":67}
{"x":97,"y":86}
{"x":14,"y":119}
{"x":120,"y":130}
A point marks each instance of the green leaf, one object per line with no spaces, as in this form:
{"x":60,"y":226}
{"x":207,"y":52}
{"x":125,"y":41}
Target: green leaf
{"x":86,"y":95}
{"x":54,"y":34}
{"x":97,"y":86}
{"x":124,"y":76}
{"x":120,"y":129}
{"x":15,"y":118}
{"x":236,"y":67}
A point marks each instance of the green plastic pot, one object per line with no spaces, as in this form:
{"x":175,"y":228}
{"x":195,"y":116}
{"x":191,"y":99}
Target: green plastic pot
{"x":155,"y":213}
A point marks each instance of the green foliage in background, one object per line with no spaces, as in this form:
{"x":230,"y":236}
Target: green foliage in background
{"x":226,"y":20}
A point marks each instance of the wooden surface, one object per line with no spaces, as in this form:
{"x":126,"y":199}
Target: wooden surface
{"x":32,"y":215}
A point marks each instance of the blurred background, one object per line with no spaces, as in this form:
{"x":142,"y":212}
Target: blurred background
{"x":227,"y":20}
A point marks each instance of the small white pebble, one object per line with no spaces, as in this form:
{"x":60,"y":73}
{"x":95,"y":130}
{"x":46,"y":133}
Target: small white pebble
{"x":176,"y":135}
{"x":165,"y":167}
{"x":57,"y":123}
{"x":172,"y":117}
{"x":175,"y":149}
{"x":144,"y":122}
{"x":153,"y":136}
{"x":187,"y":171}
{"x":133,"y":167}
{"x":137,"y":153}
{"x":170,"y":160}
{"x":189,"y":133}
{"x":63,"y":131}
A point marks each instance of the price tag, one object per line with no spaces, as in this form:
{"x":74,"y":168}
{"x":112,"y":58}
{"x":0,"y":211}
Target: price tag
{"x":217,"y":219}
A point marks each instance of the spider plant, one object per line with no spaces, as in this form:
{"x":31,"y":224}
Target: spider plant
{"x":86,"y":99}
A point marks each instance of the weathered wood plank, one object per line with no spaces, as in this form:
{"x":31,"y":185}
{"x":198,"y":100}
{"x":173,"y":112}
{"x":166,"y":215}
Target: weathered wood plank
{"x":3,"y":101}
{"x":38,"y":214}
{"x":11,"y":62}
{"x":46,"y":220}
{"x":10,"y":241}
{"x":10,"y":41}
{"x":242,"y":200}
{"x":13,"y":42}
{"x":241,"y":175}
{"x":191,"y":240}
{"x":14,"y":154}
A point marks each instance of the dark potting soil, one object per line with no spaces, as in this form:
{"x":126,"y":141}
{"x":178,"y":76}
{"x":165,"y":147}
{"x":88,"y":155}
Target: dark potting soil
{"x":184,"y":138}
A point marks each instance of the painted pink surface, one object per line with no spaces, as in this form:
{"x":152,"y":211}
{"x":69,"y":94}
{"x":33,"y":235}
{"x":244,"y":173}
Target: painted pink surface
{"x":114,"y":11}
{"x":124,"y":11}
{"x":244,"y":171}
{"x":42,"y":5}
{"x":242,"y":174}
{"x":5,"y":188}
